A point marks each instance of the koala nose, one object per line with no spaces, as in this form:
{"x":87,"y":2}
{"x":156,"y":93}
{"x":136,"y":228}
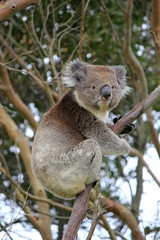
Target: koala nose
{"x":105,"y":92}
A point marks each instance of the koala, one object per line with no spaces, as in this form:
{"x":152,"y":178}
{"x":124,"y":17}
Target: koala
{"x":74,"y":134}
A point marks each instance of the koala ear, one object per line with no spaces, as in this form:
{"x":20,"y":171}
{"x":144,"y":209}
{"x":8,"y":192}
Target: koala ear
{"x":74,"y":72}
{"x":121,"y":78}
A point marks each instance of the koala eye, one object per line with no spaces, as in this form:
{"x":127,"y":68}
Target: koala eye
{"x":113,"y":87}
{"x":93,"y":86}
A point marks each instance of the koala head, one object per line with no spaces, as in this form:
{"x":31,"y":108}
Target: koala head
{"x":96,"y":88}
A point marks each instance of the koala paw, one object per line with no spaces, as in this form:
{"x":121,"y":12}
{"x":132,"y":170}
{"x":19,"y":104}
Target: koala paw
{"x":116,"y":119}
{"x":128,"y":129}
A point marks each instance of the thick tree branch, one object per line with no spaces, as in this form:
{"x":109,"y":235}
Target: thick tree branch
{"x":9,"y":7}
{"x":78,"y":213}
{"x":19,"y":139}
{"x":80,"y":204}
{"x":14,"y":98}
{"x":137,"y":110}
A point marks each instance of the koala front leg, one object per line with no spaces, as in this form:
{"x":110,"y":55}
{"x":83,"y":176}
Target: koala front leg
{"x":112,"y":144}
{"x":108,"y":141}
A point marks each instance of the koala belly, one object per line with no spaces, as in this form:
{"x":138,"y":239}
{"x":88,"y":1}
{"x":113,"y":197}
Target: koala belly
{"x":69,"y":173}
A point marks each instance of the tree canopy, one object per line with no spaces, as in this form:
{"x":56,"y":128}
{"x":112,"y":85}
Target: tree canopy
{"x":36,"y":42}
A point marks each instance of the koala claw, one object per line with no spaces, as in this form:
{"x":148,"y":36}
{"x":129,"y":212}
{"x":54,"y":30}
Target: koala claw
{"x":94,"y":183}
{"x":128,"y":129}
{"x":116,"y":119}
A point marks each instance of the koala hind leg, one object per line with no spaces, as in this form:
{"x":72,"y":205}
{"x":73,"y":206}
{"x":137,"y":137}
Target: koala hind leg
{"x":81,"y":167}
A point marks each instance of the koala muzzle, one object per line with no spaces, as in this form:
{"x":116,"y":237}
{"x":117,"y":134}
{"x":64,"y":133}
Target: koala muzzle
{"x":105,"y":92}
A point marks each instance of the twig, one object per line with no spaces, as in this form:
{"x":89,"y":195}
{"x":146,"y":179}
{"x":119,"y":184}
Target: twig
{"x":129,"y":55}
{"x":29,"y":72}
{"x":107,"y":226}
{"x":80,"y":204}
{"x":121,"y":211}
{"x":140,"y":156}
{"x":96,"y":216}
{"x":115,"y":35}
{"x":81,"y":30}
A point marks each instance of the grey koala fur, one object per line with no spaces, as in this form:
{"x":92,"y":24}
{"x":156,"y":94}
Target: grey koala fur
{"x":73,"y":135}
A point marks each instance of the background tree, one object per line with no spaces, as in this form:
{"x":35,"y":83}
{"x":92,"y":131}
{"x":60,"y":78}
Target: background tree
{"x":35,"y":45}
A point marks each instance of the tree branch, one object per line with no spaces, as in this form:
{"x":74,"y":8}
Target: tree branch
{"x":37,"y":80}
{"x":14,"y":98}
{"x":9,"y":7}
{"x":131,"y":59}
{"x":20,"y":197}
{"x":121,"y":211}
{"x":140,"y":156}
{"x":16,"y":135}
{"x":137,"y":68}
{"x":137,"y":110}
{"x":80,"y":203}
{"x":115,"y":35}
{"x":78,"y":213}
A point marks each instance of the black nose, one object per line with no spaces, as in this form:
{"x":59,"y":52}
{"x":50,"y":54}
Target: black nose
{"x":106,"y":92}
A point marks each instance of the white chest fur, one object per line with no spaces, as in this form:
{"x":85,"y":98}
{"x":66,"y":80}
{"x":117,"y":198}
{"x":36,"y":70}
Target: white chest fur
{"x":101,"y":114}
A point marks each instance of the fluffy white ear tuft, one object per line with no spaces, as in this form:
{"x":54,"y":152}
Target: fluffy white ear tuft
{"x":121,"y":78}
{"x":73,"y":73}
{"x":68,"y":81}
{"x":127,"y":90}
{"x":68,"y":77}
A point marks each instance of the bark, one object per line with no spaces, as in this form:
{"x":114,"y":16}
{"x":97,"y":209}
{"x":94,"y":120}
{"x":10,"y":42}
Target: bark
{"x":78,"y":213}
{"x":9,"y":7}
